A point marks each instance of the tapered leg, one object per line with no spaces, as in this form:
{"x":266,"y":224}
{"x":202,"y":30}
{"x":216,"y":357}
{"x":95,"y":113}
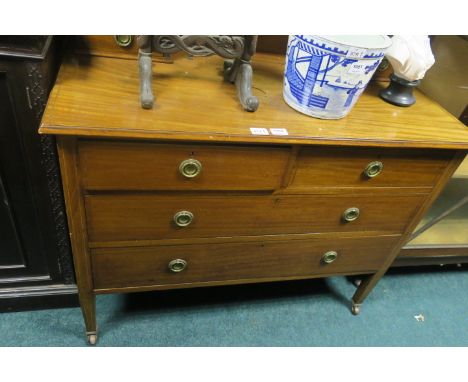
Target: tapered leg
{"x":67,"y":149}
{"x":88,"y":308}
{"x":365,"y":287}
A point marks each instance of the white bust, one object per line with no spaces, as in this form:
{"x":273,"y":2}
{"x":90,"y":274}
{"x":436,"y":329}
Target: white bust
{"x":410,"y":56}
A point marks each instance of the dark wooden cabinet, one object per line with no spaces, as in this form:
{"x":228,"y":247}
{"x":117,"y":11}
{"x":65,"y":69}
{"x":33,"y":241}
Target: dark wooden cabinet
{"x":35,"y":259}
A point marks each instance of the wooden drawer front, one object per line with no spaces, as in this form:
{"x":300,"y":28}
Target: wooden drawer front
{"x":140,"y":266}
{"x":344,"y":167}
{"x":139,"y":217}
{"x":149,"y":166}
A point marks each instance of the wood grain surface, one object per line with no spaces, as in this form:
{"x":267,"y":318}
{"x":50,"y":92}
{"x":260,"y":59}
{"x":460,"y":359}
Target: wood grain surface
{"x":152,"y":166}
{"x":344,"y":167}
{"x":150,"y":216}
{"x":96,"y":96}
{"x":106,"y":46}
{"x":265,"y":207}
{"x":77,"y":228}
{"x":143,"y":266}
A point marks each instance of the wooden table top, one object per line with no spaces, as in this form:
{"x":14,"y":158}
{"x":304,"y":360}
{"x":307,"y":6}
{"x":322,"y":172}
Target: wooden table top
{"x":98,"y":96}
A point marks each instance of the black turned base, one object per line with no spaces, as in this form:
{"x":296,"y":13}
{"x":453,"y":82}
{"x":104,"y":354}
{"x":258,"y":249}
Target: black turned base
{"x":400,"y":91}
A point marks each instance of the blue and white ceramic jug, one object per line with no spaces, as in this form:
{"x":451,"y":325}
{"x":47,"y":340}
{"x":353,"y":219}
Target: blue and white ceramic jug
{"x":325,"y":75}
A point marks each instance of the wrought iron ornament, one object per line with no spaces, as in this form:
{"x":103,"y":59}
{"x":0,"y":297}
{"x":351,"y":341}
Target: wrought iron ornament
{"x":237,"y":69}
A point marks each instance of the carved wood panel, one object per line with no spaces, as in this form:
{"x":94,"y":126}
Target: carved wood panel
{"x":35,"y":255}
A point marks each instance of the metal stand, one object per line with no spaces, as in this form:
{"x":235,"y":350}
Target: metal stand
{"x":237,"y":49}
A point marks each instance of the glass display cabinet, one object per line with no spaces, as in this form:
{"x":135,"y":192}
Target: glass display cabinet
{"x":442,"y":235}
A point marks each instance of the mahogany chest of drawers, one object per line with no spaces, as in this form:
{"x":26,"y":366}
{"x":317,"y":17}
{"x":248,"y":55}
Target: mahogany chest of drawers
{"x":185,"y":195}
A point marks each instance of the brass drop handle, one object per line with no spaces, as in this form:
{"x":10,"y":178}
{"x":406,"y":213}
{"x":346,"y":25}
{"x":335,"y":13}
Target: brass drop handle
{"x":123,"y":41}
{"x":183,"y":218}
{"x":190,"y":168}
{"x":177,"y":265}
{"x":373,"y":169}
{"x":351,"y":214}
{"x":329,"y":257}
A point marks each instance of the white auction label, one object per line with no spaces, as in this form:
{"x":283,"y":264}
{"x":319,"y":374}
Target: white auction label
{"x":357,"y":68}
{"x":356,"y":53}
{"x":278,"y":131}
{"x":259,"y":131}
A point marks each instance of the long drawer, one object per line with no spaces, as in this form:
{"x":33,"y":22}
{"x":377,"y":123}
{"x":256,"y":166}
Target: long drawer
{"x":368,"y":167}
{"x":117,"y":165}
{"x":119,"y":217}
{"x":182,"y":264}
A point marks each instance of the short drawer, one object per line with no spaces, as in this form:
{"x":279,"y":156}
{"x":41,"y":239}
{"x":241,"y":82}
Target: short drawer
{"x":366,"y":167}
{"x":152,"y":166}
{"x":152,"y":217}
{"x":186,"y":264}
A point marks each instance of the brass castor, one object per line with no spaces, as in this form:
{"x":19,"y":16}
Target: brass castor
{"x":92,"y":339}
{"x":356,"y":309}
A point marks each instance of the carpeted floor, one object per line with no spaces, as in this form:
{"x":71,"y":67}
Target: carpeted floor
{"x":302,"y":313}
